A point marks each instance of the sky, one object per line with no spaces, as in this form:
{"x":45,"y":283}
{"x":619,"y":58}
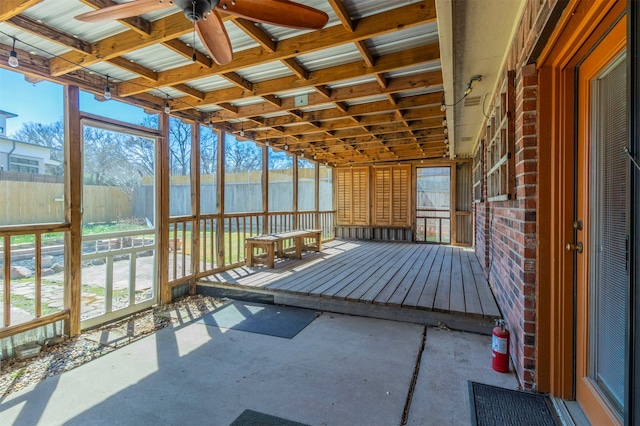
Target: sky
{"x":42,"y":103}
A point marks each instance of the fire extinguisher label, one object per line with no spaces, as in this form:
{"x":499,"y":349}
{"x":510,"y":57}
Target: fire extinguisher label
{"x":499,"y":345}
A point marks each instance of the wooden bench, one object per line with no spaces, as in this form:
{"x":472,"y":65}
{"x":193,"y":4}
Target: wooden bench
{"x":272,"y":244}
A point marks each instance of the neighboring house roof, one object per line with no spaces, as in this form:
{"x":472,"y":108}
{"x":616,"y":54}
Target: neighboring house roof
{"x":8,"y":114}
{"x":46,"y":158}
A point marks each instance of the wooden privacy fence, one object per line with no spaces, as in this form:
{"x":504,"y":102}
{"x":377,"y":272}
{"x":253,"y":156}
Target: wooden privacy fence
{"x":38,"y":202}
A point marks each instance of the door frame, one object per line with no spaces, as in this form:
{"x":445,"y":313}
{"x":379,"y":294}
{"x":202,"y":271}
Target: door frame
{"x":582,"y":25}
{"x":633,"y":51}
{"x":108,"y":124}
{"x":606,"y":51}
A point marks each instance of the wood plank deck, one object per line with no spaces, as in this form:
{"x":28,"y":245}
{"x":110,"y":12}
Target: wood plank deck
{"x":376,"y":279}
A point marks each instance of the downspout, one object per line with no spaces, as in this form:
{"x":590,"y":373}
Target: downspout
{"x":9,"y":155}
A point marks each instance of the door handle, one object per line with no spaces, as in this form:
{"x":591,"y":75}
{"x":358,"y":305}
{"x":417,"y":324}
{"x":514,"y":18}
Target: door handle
{"x":574,"y":247}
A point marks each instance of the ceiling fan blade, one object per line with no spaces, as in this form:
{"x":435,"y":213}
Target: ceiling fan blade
{"x":215,"y":39}
{"x":278,"y":12}
{"x":124,"y":10}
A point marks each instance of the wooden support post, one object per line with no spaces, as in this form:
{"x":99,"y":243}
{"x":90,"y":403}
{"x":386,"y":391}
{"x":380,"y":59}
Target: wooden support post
{"x":316,"y":201}
{"x":454,"y":204}
{"x":265,"y":189}
{"x":195,"y":204}
{"x":163,"y":186}
{"x":220,"y":199}
{"x":73,"y":208}
{"x":296,"y":223}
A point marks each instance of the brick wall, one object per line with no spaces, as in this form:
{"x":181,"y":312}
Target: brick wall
{"x":505,"y":232}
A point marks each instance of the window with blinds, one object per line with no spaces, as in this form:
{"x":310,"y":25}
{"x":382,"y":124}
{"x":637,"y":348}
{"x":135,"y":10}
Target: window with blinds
{"x":391,"y":188}
{"x":352,"y":196}
{"x":500,"y":135}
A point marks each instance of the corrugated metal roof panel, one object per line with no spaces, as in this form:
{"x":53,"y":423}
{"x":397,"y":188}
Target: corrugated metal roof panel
{"x":339,"y":55}
{"x":30,"y":42}
{"x":158,"y":58}
{"x":367,"y":99}
{"x":422,"y":68}
{"x":253,"y":100}
{"x":264,"y":72}
{"x":295,"y":92}
{"x":360,"y":8}
{"x":398,"y":41}
{"x":352,"y":82}
{"x":210,"y":83}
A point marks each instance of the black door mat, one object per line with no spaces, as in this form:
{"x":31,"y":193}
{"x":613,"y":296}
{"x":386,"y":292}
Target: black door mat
{"x":491,"y":405}
{"x":255,"y":418}
{"x":278,"y":321}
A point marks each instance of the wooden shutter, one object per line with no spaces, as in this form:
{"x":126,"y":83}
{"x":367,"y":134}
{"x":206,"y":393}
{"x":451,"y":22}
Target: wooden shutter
{"x":391,"y":192}
{"x":400,"y":197}
{"x":382,"y":190}
{"x":353,"y":196}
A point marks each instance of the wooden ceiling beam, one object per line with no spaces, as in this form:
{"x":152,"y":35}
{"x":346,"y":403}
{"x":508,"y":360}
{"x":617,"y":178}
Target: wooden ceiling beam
{"x":187,"y":51}
{"x":43,"y":30}
{"x":343,"y":14}
{"x":127,"y":65}
{"x":390,"y":62}
{"x":120,"y":44}
{"x":296,"y":68}
{"x":238,"y":80}
{"x":366,"y":54}
{"x":385,"y":22}
{"x":11,"y":8}
{"x":256,"y":33}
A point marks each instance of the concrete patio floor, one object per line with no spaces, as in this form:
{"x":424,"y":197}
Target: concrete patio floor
{"x":339,"y":370}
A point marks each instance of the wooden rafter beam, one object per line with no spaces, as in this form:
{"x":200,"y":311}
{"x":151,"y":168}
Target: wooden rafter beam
{"x":390,"y":62}
{"x":43,"y":30}
{"x":256,"y":33}
{"x":187,"y":51}
{"x":136,"y":23}
{"x":343,"y":14}
{"x":383,"y":23}
{"x":11,"y":8}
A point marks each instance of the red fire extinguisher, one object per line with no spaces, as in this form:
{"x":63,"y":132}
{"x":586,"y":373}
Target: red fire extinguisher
{"x":500,"y":348}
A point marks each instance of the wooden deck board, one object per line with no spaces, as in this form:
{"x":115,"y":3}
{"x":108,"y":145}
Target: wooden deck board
{"x":420,"y":282}
{"x":378,"y":284}
{"x":443,"y":292}
{"x":428,"y":296}
{"x":372,"y":270}
{"x":456,"y":291}
{"x":352,"y":269}
{"x":390,"y":288}
{"x":471,"y":297}
{"x":395,"y":275}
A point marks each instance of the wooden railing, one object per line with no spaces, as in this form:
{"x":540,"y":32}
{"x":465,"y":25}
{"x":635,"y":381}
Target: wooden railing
{"x":221,"y":238}
{"x":33,"y":249}
{"x":433,"y":226}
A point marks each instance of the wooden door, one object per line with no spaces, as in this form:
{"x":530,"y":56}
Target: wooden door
{"x":601,"y":228}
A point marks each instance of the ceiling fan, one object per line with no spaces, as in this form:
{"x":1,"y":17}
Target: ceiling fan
{"x":207,"y":22}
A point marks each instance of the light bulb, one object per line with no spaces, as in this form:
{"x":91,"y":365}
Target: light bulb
{"x":443,"y":107}
{"x":107,"y":92}
{"x":286,"y":147}
{"x":167,"y":108}
{"x":266,"y":143}
{"x":302,"y":154}
{"x":242,"y":133}
{"x":444,"y":123}
{"x":446,"y":131}
{"x":13,"y":59}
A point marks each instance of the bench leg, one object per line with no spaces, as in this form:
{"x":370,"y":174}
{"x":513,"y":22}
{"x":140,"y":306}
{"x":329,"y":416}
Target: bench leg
{"x":270,"y":254}
{"x":299,"y":242}
{"x":318,"y":242}
{"x":249,"y":250}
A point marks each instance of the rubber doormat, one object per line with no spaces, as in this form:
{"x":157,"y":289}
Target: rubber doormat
{"x":255,"y":418}
{"x":272,"y":320}
{"x":491,"y":405}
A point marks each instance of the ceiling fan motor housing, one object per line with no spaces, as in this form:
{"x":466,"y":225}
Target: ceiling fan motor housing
{"x":195,"y":10}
